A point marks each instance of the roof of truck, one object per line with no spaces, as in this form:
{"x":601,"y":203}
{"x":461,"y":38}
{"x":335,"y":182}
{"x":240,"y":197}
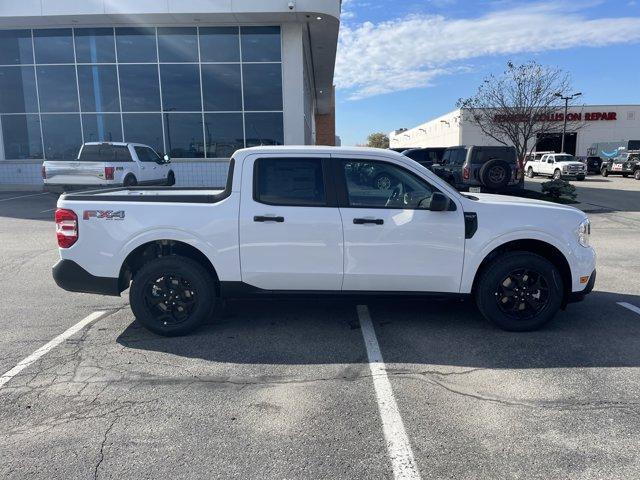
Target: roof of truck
{"x":317,"y":150}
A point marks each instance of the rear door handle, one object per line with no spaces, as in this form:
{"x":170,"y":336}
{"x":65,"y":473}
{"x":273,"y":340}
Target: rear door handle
{"x":373,"y":221}
{"x":260,"y":218}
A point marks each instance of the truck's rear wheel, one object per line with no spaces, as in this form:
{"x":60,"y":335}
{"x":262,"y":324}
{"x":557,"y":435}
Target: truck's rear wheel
{"x":130,"y":181}
{"x":530,"y":172}
{"x":519,"y":291}
{"x":172,"y":295}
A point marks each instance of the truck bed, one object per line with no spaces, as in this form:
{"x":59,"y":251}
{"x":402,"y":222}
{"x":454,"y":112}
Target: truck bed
{"x":151,"y":194}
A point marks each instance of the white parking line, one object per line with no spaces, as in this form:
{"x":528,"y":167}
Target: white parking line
{"x":35,"y":356}
{"x":24,"y":196}
{"x":398,"y":445}
{"x":628,"y":306}
{"x":48,"y":210}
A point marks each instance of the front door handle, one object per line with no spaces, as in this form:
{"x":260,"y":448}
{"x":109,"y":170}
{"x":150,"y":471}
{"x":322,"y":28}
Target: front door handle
{"x":261,"y":218}
{"x":373,"y":221}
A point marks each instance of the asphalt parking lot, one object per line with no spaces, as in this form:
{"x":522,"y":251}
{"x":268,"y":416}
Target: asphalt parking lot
{"x":289,"y":389}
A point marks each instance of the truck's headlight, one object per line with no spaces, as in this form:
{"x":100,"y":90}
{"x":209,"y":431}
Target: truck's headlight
{"x":583,"y":232}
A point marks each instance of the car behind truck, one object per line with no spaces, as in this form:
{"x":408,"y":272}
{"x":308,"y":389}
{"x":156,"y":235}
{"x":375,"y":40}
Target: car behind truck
{"x":303,"y":221}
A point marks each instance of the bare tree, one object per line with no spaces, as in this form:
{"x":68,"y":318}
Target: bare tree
{"x":522,"y":105}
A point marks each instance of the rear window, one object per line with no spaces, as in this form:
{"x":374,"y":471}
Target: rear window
{"x":289,"y":181}
{"x":484,"y":154}
{"x":105,"y":153}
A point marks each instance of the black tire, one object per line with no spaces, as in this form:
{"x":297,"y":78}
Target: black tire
{"x":171,"y":179}
{"x":557,"y":175}
{"x":495,"y":174}
{"x":580,"y":178}
{"x":177,"y":278}
{"x":604,"y":172}
{"x":636,"y":175}
{"x":491,"y":291}
{"x":383,"y":181}
{"x":530,"y":172}
{"x":130,"y":181}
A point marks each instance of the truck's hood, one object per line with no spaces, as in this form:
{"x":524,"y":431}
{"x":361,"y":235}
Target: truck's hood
{"x":506,"y":200}
{"x":569,"y":164}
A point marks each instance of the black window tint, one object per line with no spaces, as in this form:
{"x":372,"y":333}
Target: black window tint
{"x":221,"y":88}
{"x":57,"y":88}
{"x":146,"y":155}
{"x":484,"y":154}
{"x":95,"y":45}
{"x":18,"y":90}
{"x":219,"y":44}
{"x":62,"y":136}
{"x":183,"y":132}
{"x":105,"y":153}
{"x":123,"y":154}
{"x":178,"y":44}
{"x":102,"y":127}
{"x":136,"y":45}
{"x":264,"y":129}
{"x":262,"y":86}
{"x":53,"y":45}
{"x":15,"y":47}
{"x":180,"y":88}
{"x":139,"y":88}
{"x":373,"y":184}
{"x":223,"y":134}
{"x":260,"y":44}
{"x":145,"y":128}
{"x":287,"y":181}
{"x":21,"y":134}
{"x":98,"y":88}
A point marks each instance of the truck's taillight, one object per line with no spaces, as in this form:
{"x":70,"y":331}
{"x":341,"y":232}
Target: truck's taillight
{"x":43,"y":172}
{"x":466,"y":172}
{"x":108,"y":173}
{"x":66,"y":227}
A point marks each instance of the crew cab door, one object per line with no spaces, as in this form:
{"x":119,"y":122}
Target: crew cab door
{"x":151,"y":165}
{"x":392,"y":241}
{"x":290,"y":226}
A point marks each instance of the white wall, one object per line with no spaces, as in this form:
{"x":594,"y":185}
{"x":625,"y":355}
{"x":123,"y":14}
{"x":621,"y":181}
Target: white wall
{"x":443,"y":131}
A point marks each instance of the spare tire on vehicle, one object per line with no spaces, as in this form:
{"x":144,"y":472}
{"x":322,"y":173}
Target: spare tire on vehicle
{"x":495,"y":174}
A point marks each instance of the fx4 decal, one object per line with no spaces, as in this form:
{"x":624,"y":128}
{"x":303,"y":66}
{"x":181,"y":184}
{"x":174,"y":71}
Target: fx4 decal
{"x":103,"y":214}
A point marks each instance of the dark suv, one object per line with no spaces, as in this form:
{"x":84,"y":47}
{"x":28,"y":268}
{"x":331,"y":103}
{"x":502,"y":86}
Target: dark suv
{"x":427,"y":157}
{"x":491,"y":168}
{"x":625,"y":164}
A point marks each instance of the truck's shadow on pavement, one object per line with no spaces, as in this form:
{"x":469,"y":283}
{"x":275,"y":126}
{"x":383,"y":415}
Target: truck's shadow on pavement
{"x":594,"y":333}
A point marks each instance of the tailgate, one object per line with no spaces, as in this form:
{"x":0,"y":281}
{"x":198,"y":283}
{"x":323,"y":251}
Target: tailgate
{"x":75,"y":173}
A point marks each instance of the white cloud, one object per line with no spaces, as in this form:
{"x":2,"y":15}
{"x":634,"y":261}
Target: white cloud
{"x":412,"y":52}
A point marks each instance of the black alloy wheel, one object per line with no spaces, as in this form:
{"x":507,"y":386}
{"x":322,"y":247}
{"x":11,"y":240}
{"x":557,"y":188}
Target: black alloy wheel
{"x":522,"y":294}
{"x":171,"y":298}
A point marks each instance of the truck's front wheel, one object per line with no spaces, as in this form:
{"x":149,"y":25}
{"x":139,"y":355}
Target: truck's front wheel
{"x":172,"y":295}
{"x":519,"y":291}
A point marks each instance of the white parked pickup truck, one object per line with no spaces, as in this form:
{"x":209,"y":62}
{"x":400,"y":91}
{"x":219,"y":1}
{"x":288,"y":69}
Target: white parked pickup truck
{"x":309,"y":221}
{"x":109,"y":164}
{"x":556,"y":165}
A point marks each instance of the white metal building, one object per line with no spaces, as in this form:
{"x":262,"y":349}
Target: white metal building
{"x":599,"y":123}
{"x":195,"y":79}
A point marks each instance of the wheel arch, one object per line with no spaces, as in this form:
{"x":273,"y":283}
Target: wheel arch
{"x":539,"y":247}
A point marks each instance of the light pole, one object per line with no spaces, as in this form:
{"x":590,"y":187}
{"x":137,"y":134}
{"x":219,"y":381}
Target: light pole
{"x":566,"y":111}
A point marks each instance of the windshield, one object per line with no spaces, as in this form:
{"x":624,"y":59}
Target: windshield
{"x":565,"y":158}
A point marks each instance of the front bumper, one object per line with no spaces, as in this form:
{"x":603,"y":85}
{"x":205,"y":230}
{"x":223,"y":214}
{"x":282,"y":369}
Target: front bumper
{"x":579,"y":296}
{"x":72,"y":277}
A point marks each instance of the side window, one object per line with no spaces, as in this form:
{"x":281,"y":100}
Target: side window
{"x":446,"y":157}
{"x":145,"y":154}
{"x":461,"y":155}
{"x":372,"y":184}
{"x":289,"y":181}
{"x":550,"y":159}
{"x":122,"y":154}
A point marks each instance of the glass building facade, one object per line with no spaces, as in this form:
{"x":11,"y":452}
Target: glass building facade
{"x":190,"y":92}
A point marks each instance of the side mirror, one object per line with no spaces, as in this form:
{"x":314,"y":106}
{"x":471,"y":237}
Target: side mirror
{"x":166,"y":159}
{"x":439,"y":202}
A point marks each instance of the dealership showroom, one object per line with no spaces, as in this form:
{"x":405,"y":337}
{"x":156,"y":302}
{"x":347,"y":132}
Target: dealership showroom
{"x":359,"y":383}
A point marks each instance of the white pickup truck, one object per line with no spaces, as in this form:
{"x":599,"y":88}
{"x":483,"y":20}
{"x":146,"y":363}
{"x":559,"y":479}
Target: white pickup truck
{"x":556,"y":165}
{"x":309,"y":221}
{"x":109,"y":164}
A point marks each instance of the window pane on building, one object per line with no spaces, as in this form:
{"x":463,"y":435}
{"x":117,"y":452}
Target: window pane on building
{"x":21,"y":134}
{"x":57,"y":88}
{"x":262,"y":86}
{"x":145,"y":128}
{"x":105,"y":127}
{"x":260,"y":44}
{"x":219,"y":44}
{"x":139,"y":88}
{"x":264,"y":129}
{"x":53,"y":45}
{"x":178,"y":44}
{"x":180,"y":88}
{"x":95,"y":45}
{"x":222,"y":87}
{"x":98,"y":88}
{"x":15,"y":47}
{"x":136,"y":45}
{"x":183,"y":132}
{"x":18,"y":90}
{"x":223,"y":133}
{"x":62,"y":136}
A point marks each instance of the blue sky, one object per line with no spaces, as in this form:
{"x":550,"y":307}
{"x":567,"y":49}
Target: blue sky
{"x":403,"y":62}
